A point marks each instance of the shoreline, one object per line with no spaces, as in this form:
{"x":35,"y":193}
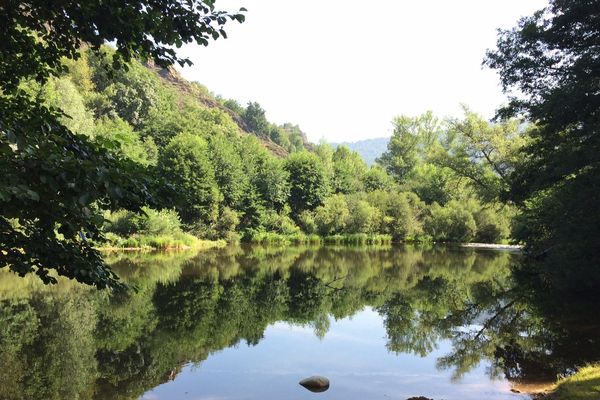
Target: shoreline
{"x":507,"y":247}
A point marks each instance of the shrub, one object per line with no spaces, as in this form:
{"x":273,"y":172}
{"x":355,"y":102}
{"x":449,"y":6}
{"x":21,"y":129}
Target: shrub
{"x":122,"y":222}
{"x":332,"y":216}
{"x":306,"y":220}
{"x":279,"y":223}
{"x":491,"y":226}
{"x":162,"y":222}
{"x":226,"y":225}
{"x":451,"y":223}
{"x":364,"y":218}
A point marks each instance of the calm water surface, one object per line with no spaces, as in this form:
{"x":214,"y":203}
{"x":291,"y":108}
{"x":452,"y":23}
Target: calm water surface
{"x":250,"y":322}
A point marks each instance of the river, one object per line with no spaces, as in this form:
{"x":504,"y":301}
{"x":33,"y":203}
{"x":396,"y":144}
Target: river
{"x":249,"y":322}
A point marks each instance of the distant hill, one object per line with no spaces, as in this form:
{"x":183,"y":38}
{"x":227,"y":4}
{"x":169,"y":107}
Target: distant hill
{"x":369,"y":149}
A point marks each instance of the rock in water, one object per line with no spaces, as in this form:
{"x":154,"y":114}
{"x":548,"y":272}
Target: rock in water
{"x":315,"y":383}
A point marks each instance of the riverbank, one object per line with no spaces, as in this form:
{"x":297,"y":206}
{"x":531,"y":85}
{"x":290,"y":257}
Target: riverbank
{"x":176,"y":241}
{"x":584,"y":385}
{"x":508,"y":247}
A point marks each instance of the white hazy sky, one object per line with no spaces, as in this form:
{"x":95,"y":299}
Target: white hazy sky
{"x":342,"y":69}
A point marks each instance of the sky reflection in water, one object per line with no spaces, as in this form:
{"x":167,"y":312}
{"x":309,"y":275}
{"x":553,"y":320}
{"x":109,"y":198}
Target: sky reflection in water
{"x":352,"y":355}
{"x":441,"y":322}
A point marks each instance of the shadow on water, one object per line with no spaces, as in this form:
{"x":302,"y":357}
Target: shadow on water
{"x":73,"y":342}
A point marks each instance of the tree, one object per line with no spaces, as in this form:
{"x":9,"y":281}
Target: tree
{"x":273,"y":183}
{"x":308,"y":183}
{"x":186,"y":167}
{"x":409,"y":144}
{"x":363,"y":218}
{"x":255,"y":119}
{"x":54,"y":178}
{"x":549,"y":64}
{"x":332,"y":216}
{"x":376,"y":178}
{"x":349,"y":170}
{"x":229,"y":172}
{"x":123,"y":141}
{"x":484,"y":153}
{"x":451,"y":223}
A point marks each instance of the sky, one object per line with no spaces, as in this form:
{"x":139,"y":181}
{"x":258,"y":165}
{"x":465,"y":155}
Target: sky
{"x":343,"y":69}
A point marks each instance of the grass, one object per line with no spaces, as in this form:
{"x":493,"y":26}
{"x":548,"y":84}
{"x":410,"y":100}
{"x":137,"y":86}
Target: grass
{"x":584,"y":385}
{"x":175,"y":241}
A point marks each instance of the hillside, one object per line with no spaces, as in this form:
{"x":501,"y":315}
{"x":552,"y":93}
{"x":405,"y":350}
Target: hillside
{"x":369,"y":149}
{"x":273,"y":137}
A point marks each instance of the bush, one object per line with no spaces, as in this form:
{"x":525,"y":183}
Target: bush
{"x":279,"y":223}
{"x":451,"y":223}
{"x":403,"y":209}
{"x":491,"y":226}
{"x":332,"y":216}
{"x":364,"y":218}
{"x":149,"y":222}
{"x":227,"y":224}
{"x":306,"y":220}
{"x":162,"y":222}
{"x":122,"y":222}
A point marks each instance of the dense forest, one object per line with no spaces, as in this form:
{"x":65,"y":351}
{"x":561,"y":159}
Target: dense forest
{"x":107,"y":146}
{"x":218,"y":170}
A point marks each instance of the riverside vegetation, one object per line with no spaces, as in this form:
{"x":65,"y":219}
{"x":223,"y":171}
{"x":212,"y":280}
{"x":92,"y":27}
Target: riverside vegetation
{"x":97,"y":142}
{"x":107,"y":146}
{"x":221,"y":171}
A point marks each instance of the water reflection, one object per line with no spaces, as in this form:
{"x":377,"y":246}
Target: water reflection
{"x":74,"y":342}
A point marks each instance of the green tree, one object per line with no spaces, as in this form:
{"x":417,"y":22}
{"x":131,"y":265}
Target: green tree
{"x":62,"y":93}
{"x":185,"y":165}
{"x":376,"y":178}
{"x":308,"y":183}
{"x":435,"y":183}
{"x":229,"y":171}
{"x":255,"y":119}
{"x":273,"y":183}
{"x":349,"y":171}
{"x":363,"y":218}
{"x":119,"y":136}
{"x":51,"y":175}
{"x":451,"y":223}
{"x":332,"y":217}
{"x":410,"y":143}
{"x":549,"y":63}
{"x":279,"y":136}
{"x":485,"y":153}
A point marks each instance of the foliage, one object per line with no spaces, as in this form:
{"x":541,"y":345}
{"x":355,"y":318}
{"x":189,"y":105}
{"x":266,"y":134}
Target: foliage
{"x":55,"y":177}
{"x":348,"y":171}
{"x":186,"y":165}
{"x":484,"y":153}
{"x":410,"y":143}
{"x":376,"y":178}
{"x":332,"y":216}
{"x":451,"y":223}
{"x":309,"y":185}
{"x":549,"y":64}
{"x":229,"y":171}
{"x":119,"y":137}
{"x":363,"y":217}
{"x":255,"y":119}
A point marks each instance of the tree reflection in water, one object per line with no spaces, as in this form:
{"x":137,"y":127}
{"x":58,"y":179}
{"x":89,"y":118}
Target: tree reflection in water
{"x":73,"y":342}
